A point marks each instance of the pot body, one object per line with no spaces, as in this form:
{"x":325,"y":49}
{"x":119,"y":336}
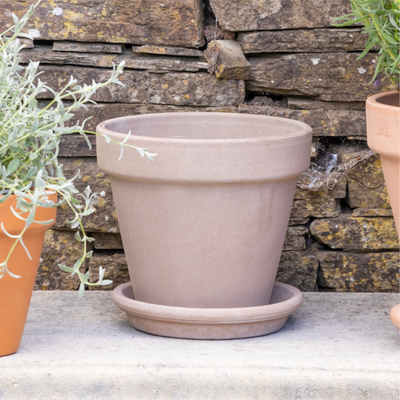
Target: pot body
{"x":15,"y":293}
{"x":383,"y":132}
{"x":203,"y":225}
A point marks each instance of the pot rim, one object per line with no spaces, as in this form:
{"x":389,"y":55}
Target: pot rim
{"x":374,"y":99}
{"x":303,"y":129}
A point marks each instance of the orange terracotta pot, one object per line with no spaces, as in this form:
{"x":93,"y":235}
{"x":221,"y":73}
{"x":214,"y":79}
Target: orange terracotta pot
{"x":15,"y":293}
{"x":383,"y":131}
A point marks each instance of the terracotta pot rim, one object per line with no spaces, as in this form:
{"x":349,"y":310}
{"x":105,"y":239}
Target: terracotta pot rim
{"x":374,"y":99}
{"x":300,"y":129}
{"x":191,"y":315}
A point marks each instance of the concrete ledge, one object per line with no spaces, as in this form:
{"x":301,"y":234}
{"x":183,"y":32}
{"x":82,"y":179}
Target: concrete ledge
{"x":336,"y":346}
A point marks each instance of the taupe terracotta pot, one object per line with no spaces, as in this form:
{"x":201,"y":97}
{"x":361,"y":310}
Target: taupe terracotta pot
{"x":383,"y":132}
{"x":203,"y":225}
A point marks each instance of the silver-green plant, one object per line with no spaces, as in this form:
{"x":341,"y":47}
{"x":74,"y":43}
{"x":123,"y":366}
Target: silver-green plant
{"x":29,"y":144}
{"x":381,"y":20}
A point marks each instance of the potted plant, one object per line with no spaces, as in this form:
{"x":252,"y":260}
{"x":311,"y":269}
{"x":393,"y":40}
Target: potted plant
{"x":32,"y":183}
{"x":203,"y":228}
{"x":381,"y":20}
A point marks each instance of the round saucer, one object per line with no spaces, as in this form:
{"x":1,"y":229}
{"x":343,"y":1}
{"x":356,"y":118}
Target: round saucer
{"x":395,"y":315}
{"x":209,"y":323}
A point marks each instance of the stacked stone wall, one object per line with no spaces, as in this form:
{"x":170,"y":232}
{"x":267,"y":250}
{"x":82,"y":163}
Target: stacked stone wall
{"x":280,"y":58}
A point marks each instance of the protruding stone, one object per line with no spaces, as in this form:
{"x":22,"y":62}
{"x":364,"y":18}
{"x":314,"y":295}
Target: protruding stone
{"x":299,"y":270}
{"x":356,"y":233}
{"x":116,"y":270}
{"x":253,"y":15}
{"x":170,"y":22}
{"x":358,"y":272}
{"x":226,"y":60}
{"x":104,"y":219}
{"x":167,"y":51}
{"x":60,"y":247}
{"x":324,"y":76}
{"x":107,"y":241}
{"x":337,"y":192}
{"x":87,"y":47}
{"x":199,"y":89}
{"x":303,"y":41}
{"x":366,"y":186}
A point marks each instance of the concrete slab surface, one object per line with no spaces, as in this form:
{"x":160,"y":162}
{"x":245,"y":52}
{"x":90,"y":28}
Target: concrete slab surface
{"x":336,"y":346}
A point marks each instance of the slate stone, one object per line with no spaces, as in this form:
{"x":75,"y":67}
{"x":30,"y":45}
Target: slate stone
{"x":301,"y":103}
{"x":168,"y":51}
{"x":323,"y":76}
{"x":360,"y":234}
{"x":366,"y":186}
{"x":60,"y":247}
{"x":358,"y":272}
{"x":116,"y":270}
{"x":325,"y":123}
{"x":329,"y":122}
{"x":104,"y":219}
{"x":170,"y":22}
{"x":295,"y":238}
{"x":303,"y":41}
{"x":253,"y":15}
{"x":107,"y":241}
{"x":298,"y":269}
{"x":76,"y":146}
{"x":188,"y":89}
{"x":226,"y":60}
{"x":375,"y":212}
{"x":159,"y":64}
{"x":87,"y":47}
{"x":318,"y":207}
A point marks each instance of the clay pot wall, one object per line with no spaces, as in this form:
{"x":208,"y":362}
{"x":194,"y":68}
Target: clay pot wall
{"x":281,"y":59}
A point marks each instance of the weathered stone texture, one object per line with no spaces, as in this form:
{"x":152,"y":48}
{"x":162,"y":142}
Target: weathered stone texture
{"x":252,"y":15}
{"x":76,"y":146}
{"x":319,"y":208}
{"x":87,"y":47}
{"x":107,"y":241}
{"x":226,"y":60}
{"x":366,"y":186}
{"x":375,"y":212}
{"x":104,"y":219}
{"x":299,"y":270}
{"x":303,"y":41}
{"x":324,"y":76}
{"x":170,"y":22}
{"x":337,"y":192}
{"x":165,"y":50}
{"x":158,"y":64}
{"x":324,"y":203}
{"x":116,"y":270}
{"x":199,"y":89}
{"x":358,"y":272}
{"x":60,"y":247}
{"x":356,"y":233}
{"x":325,"y":123}
{"x":301,"y":103}
{"x":295,"y":239}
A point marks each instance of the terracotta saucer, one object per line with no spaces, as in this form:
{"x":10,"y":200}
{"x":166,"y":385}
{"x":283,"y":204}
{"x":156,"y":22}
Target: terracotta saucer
{"x":395,"y":315}
{"x":209,"y":323}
